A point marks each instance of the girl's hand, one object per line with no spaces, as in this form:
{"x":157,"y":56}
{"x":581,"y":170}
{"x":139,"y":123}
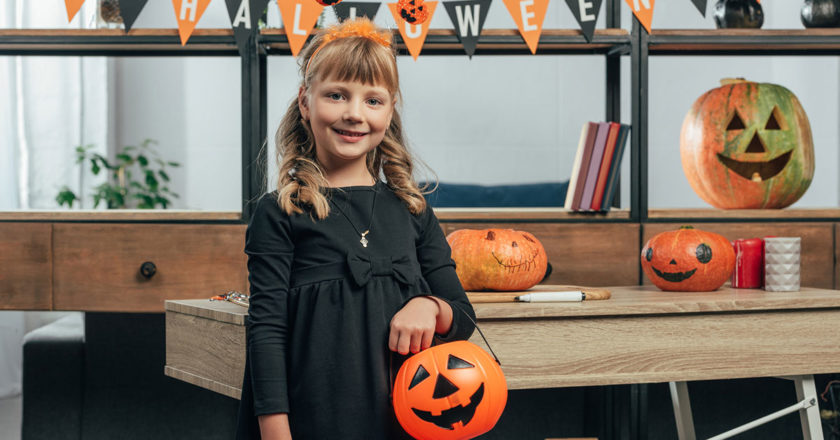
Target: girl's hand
{"x":413,"y":328}
{"x":275,"y":426}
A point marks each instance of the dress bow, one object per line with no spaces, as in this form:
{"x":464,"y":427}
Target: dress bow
{"x":363,"y":268}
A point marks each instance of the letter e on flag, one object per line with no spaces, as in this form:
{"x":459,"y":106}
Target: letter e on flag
{"x":529,"y":16}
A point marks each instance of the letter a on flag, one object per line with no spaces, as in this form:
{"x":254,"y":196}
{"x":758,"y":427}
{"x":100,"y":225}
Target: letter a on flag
{"x":188,"y":12}
{"x":299,"y":17}
{"x":413,"y":35}
{"x":529,"y":16}
{"x":643,"y":10}
{"x":73,"y":7}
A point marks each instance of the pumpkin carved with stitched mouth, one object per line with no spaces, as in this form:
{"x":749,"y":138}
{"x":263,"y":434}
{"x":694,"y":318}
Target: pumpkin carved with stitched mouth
{"x":497,"y":259}
{"x":450,"y":391}
{"x":747,"y":145}
{"x":688,"y":260}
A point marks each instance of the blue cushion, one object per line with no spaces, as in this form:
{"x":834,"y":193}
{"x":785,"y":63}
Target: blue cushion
{"x":459,"y":195}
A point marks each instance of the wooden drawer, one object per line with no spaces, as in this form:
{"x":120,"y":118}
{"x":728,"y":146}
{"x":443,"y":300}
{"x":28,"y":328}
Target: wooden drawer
{"x":605,"y":254}
{"x":25,"y":266}
{"x":817,"y":255}
{"x":97,"y":266}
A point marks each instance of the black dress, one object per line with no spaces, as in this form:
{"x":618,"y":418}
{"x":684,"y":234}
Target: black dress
{"x":321,"y":307}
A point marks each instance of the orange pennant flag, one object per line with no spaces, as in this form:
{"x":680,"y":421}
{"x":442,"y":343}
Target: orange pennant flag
{"x":299,"y":17}
{"x":529,"y":16}
{"x":73,"y":7}
{"x":643,"y":10}
{"x":413,"y":35}
{"x":188,"y":12}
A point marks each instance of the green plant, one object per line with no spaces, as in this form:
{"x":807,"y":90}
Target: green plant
{"x":137,"y":174}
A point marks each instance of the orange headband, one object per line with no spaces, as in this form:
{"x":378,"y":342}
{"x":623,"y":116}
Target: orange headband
{"x":361,"y":27}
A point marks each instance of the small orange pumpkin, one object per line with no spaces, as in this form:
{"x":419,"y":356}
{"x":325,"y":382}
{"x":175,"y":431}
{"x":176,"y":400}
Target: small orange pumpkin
{"x":688,"y":260}
{"x":497,"y":259}
{"x":450,"y":391}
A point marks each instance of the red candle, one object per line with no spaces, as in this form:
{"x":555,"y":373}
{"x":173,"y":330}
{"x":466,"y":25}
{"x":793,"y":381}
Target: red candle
{"x":749,"y":263}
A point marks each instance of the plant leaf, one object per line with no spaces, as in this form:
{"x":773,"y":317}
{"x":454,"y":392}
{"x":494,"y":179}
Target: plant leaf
{"x":143,"y":161}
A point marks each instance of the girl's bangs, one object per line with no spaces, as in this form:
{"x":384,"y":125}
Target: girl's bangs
{"x":359,"y":60}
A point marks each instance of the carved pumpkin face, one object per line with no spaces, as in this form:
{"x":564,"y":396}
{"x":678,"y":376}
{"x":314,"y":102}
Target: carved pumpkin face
{"x":748,"y":145}
{"x":413,"y":11}
{"x":688,"y":260}
{"x":449,"y":391}
{"x":497,"y":259}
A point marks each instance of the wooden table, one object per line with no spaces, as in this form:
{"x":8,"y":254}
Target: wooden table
{"x":640,"y":335}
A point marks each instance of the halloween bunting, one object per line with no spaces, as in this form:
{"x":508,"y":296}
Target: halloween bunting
{"x":586,"y":14}
{"x":299,"y":17}
{"x":73,"y":7}
{"x":468,"y":18}
{"x":244,"y":16}
{"x":529,"y":16}
{"x":701,"y":6}
{"x":413,"y":11}
{"x":643,"y":10}
{"x":130,"y":10}
{"x":747,"y":145}
{"x":413,"y":35}
{"x":188,"y":12}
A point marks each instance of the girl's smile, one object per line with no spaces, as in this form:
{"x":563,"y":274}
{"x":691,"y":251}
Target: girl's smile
{"x":348,"y":119}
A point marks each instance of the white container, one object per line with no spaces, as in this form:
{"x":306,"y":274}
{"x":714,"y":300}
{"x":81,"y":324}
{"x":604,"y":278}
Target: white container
{"x":773,"y":258}
{"x":781,"y":269}
{"x":781,"y":245}
{"x":781,"y":283}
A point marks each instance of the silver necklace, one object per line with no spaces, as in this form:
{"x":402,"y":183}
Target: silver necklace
{"x":363,"y":240}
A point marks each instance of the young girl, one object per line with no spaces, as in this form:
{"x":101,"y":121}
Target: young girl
{"x":348,"y":273}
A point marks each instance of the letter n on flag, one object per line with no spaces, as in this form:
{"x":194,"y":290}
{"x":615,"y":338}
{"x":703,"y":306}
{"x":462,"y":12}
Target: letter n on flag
{"x":73,"y":7}
{"x":413,"y":35}
{"x":299,"y":17}
{"x":188,"y":12}
{"x":643,"y":10}
{"x":529,"y":16}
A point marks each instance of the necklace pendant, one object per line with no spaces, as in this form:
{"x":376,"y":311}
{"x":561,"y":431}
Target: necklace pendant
{"x":364,"y":241}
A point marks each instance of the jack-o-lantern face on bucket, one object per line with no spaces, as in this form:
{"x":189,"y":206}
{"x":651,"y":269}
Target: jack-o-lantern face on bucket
{"x":688,"y":259}
{"x":748,"y":145}
{"x":448,"y":392}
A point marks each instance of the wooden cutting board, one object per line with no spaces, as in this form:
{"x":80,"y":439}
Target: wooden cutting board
{"x":592,"y":293}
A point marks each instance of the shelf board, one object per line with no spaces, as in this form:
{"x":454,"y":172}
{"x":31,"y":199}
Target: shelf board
{"x":492,"y":42}
{"x":101,"y":42}
{"x":119,"y":215}
{"x":527,"y":214}
{"x":745,"y":42}
{"x":678,"y":215}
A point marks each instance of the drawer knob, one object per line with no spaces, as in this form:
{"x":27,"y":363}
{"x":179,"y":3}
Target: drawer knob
{"x":148,"y":270}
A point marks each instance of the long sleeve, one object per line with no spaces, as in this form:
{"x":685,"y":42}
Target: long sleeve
{"x":270,"y":249}
{"x":438,"y":269}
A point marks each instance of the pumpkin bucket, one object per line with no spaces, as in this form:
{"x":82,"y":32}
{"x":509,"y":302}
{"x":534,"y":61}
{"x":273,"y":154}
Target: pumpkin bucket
{"x":452,"y":391}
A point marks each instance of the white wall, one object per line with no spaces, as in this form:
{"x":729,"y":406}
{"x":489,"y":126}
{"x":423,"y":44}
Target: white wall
{"x":491,"y":119}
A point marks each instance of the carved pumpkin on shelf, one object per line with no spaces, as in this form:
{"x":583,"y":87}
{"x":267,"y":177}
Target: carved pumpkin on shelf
{"x":747,"y":145}
{"x":448,"y":392}
{"x":688,"y":260}
{"x":497,"y":259}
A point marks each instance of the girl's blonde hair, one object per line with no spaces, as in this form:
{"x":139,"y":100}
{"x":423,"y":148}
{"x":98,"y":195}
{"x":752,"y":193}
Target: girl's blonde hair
{"x":351,"y":51}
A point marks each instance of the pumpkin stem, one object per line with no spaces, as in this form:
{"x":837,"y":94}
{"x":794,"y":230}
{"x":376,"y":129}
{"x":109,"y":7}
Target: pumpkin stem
{"x":726,"y":81}
{"x":686,"y":227}
{"x":490,"y":235}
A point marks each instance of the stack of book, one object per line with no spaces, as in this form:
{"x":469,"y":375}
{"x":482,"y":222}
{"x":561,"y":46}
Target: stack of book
{"x":594,"y":180}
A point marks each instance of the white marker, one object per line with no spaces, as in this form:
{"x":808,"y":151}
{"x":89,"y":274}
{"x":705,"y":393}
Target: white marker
{"x":553,"y":296}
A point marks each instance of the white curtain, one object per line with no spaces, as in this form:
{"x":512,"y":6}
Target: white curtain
{"x":48,"y":106}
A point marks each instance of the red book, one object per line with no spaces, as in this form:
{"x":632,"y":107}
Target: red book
{"x":604,"y":172}
{"x":584,"y":164}
{"x":594,"y":165}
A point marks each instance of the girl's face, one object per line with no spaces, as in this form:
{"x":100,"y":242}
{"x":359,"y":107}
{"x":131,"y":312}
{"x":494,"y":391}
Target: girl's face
{"x":348,"y":119}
